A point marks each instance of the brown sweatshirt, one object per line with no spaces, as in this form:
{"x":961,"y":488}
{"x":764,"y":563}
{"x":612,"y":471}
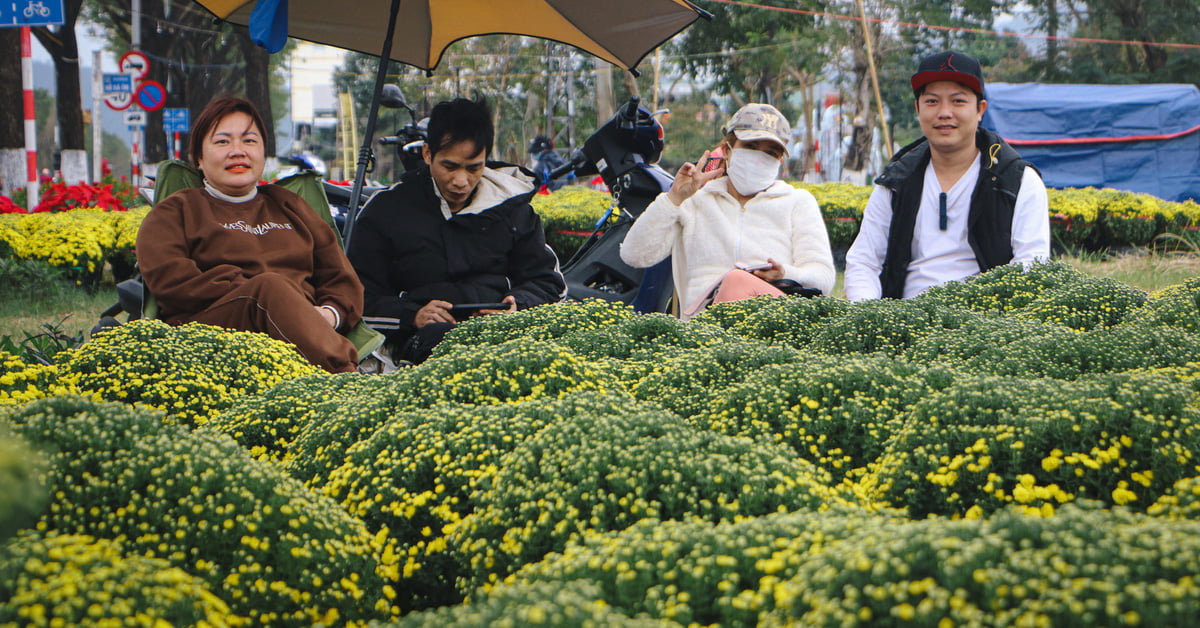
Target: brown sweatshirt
{"x":192,"y":249}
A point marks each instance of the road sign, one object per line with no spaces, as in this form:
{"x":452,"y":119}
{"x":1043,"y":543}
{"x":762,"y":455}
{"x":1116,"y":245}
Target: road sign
{"x":32,"y":13}
{"x":118,"y":84}
{"x":150,"y":95}
{"x":135,"y":118}
{"x":119,"y":101}
{"x":176,"y":120}
{"x":134,"y":64}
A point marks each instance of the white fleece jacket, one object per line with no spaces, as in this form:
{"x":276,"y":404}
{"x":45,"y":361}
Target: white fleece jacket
{"x":711,"y":232}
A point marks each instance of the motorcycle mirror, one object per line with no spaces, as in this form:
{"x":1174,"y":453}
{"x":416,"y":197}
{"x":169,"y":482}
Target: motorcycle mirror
{"x":392,"y":97}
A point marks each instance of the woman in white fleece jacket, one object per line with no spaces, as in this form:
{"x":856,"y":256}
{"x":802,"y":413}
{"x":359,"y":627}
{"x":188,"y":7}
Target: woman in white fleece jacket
{"x":738,"y":215}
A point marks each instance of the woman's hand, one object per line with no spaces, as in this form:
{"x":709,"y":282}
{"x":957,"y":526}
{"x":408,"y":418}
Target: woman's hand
{"x":690,"y":178}
{"x":328,"y":315}
{"x":773,"y":273}
{"x":433,"y":312}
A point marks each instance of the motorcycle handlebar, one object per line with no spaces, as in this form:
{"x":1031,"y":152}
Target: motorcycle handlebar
{"x":577,"y":161}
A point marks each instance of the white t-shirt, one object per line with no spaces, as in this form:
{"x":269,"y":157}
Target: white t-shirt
{"x":939,"y":256}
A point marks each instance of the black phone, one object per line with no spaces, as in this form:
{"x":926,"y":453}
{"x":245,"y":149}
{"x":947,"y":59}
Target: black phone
{"x":462,"y":310}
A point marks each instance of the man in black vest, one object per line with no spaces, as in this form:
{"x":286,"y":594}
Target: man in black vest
{"x":954,"y":203}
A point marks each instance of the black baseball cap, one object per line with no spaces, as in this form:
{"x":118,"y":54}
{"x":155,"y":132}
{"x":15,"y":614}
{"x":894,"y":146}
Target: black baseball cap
{"x":949,"y":66}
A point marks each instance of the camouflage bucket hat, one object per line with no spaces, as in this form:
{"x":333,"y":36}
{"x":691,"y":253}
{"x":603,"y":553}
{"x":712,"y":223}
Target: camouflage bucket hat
{"x":757,"y":121}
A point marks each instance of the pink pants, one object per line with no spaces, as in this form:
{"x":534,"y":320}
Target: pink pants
{"x":736,"y":285}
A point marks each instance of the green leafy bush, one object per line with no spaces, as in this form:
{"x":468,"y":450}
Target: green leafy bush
{"x":642,"y":337}
{"x":1003,"y":289}
{"x":1181,"y":501}
{"x":549,"y":604}
{"x":274,"y":551}
{"x":986,"y":442}
{"x":266,"y":424}
{"x":79,"y":580}
{"x":730,"y":313}
{"x":695,"y":572}
{"x":887,"y":326}
{"x":1081,"y":567}
{"x":835,"y":411}
{"x":31,"y":279}
{"x":21,"y":382}
{"x":1084,"y":305}
{"x":23,"y":493}
{"x":1177,"y":306}
{"x":984,"y":345}
{"x":191,"y":372}
{"x":605,"y":472}
{"x":416,"y":475}
{"x":690,"y":380}
{"x":546,"y":322}
{"x":842,"y":205}
{"x":326,"y":435}
{"x":511,"y":371}
{"x":1127,"y":218}
{"x":1027,"y":348}
{"x":791,"y":321}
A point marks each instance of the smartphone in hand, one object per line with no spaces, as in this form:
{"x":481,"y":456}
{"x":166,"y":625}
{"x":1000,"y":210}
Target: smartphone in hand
{"x":461,"y":311}
{"x":752,"y":267}
{"x":712,"y":163}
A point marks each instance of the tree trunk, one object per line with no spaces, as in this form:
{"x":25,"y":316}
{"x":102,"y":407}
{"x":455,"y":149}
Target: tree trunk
{"x":64,"y":49}
{"x":258,"y":84}
{"x":12,"y":125}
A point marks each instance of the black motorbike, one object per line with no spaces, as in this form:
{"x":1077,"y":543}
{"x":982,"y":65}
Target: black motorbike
{"x":623,"y":151}
{"x":408,"y":141}
{"x":410,"y":138}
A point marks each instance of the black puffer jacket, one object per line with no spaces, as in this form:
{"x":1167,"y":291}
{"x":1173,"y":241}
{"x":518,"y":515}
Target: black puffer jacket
{"x":407,"y":253}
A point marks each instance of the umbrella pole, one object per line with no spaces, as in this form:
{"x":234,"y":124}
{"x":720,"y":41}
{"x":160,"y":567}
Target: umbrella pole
{"x":365,"y":155}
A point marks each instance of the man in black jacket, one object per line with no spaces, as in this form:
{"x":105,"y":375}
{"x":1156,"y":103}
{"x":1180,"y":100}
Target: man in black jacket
{"x":454,"y":232}
{"x":956,"y":202}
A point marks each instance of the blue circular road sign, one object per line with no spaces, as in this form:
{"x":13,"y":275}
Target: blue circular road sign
{"x":151,"y":95}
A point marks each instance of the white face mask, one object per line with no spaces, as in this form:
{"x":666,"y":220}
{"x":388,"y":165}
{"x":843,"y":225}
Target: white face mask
{"x":751,"y":171}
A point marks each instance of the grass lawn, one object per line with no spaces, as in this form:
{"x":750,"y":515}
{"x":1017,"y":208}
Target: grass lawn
{"x":77,"y":310}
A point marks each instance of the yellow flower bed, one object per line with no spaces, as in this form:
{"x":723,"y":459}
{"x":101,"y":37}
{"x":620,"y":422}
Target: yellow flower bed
{"x":1016,"y":448}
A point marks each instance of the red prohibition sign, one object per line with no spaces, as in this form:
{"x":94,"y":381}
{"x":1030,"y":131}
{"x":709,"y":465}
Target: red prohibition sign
{"x":151,"y":95}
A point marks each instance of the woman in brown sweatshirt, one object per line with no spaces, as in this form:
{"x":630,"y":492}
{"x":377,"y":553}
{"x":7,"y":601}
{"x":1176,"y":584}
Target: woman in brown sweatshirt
{"x":248,"y":257}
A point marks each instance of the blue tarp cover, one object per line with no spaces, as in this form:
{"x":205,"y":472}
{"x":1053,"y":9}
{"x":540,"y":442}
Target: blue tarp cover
{"x":1143,"y":138}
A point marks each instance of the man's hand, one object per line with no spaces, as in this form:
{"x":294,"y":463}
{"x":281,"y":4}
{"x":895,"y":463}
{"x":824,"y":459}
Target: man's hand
{"x":773,"y":273}
{"x":433,"y":312}
{"x":512,"y":307}
{"x":690,"y":178}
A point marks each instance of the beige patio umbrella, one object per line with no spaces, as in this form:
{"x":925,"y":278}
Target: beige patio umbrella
{"x":618,"y":31}
{"x":417,"y":32}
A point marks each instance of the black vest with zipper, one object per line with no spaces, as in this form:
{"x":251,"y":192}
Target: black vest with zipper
{"x":989,"y":223}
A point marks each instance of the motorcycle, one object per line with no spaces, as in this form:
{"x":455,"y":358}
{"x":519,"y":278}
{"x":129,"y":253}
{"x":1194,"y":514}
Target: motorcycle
{"x":623,"y":151}
{"x":410,"y":138}
{"x":408,"y":141}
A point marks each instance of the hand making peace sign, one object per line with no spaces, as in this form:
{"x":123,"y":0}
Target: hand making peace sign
{"x":690,"y":178}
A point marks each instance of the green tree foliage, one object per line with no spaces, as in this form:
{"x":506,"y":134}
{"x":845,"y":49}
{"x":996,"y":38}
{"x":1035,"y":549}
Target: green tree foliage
{"x":1168,"y":21}
{"x":194,"y":58}
{"x":754,"y":55}
{"x":535,"y":88}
